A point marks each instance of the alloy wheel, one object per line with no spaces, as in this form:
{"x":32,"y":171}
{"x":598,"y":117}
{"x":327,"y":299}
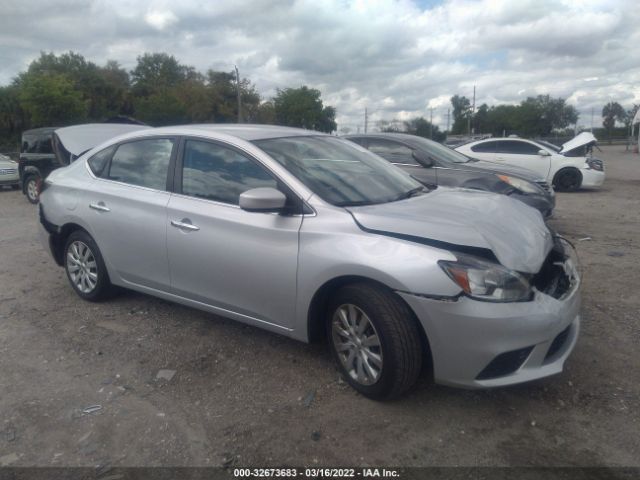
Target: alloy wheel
{"x":357,"y":344}
{"x":82,"y":267}
{"x":32,"y":189}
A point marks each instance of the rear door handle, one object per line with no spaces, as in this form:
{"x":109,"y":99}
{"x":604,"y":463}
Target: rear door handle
{"x":184,"y":224}
{"x":100,"y":206}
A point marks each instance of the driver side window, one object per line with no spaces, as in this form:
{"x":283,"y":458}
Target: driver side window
{"x":392,"y":151}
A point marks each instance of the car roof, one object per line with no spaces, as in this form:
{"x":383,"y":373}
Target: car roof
{"x":248,"y":132}
{"x":398,"y":136}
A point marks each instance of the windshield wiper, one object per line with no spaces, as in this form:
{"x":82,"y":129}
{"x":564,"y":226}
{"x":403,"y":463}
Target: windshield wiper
{"x":411,"y":193}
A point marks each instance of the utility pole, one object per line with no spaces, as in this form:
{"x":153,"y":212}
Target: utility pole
{"x":431,"y":124}
{"x":473,"y":108}
{"x":366,"y":119}
{"x":238,"y":94}
{"x":448,"y":113}
{"x":591,"y":119}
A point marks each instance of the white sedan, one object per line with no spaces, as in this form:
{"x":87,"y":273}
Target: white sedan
{"x":568,"y":168}
{"x":9,"y":172}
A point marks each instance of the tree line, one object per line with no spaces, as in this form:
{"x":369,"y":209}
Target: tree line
{"x":66,"y":89}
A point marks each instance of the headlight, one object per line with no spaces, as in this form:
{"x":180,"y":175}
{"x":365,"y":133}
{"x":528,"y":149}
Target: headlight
{"x":520,"y":184}
{"x":595,"y":164}
{"x":487,"y":281}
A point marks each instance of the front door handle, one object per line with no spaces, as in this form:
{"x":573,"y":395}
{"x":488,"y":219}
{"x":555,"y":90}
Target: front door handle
{"x":100,"y":206}
{"x":184,"y":224}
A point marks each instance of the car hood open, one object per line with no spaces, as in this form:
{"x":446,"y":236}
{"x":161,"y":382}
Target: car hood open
{"x":465,"y":219}
{"x":581,"y":140}
{"x":71,"y":142}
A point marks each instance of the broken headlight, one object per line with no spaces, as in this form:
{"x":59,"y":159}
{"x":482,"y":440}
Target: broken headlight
{"x":488,"y":281}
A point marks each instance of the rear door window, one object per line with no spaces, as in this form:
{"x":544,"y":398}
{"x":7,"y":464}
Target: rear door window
{"x":517,"y":147}
{"x":484,"y":147}
{"x":144,"y":163}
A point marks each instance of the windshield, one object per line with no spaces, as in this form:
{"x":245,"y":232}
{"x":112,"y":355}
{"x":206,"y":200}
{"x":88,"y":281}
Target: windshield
{"x":340,"y":172}
{"x":440,"y":152}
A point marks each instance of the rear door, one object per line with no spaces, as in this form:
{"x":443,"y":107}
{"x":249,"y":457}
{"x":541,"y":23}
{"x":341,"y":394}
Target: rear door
{"x":482,"y":150}
{"x":127,"y":207}
{"x":522,"y":154}
{"x":223,"y":256}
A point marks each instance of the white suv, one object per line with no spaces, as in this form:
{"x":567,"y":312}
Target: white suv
{"x":569,"y":167}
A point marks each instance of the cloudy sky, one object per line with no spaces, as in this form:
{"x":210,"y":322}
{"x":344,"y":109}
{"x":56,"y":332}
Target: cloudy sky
{"x":396,"y":58}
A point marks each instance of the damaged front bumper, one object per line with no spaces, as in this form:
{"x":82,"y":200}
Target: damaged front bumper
{"x":479,"y":344}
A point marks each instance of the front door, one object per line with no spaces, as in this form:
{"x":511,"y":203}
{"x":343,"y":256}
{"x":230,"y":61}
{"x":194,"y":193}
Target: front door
{"x":523,"y":154}
{"x":220,"y":255}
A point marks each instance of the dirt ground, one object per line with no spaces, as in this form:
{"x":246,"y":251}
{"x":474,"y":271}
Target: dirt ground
{"x":242,"y":396}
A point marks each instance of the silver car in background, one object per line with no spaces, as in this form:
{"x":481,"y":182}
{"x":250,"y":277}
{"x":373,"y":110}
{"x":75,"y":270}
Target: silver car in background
{"x":309,"y":235}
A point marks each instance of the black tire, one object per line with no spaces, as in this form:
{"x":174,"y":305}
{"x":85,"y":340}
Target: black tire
{"x":102,"y":289}
{"x":31,"y":185}
{"x":398,"y":334}
{"x":15,"y":187}
{"x":567,"y":180}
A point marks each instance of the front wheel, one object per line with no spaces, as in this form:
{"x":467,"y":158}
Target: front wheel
{"x":567,"y":180}
{"x":374,"y":340}
{"x":85,"y":267}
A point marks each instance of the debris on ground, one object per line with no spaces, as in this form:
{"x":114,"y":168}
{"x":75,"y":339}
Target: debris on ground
{"x":91,"y":409}
{"x":315,"y":436}
{"x":614,"y":253}
{"x":584,"y":239}
{"x":165,"y":375}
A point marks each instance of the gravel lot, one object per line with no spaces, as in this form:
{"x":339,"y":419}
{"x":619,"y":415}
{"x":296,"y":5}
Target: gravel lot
{"x":242,"y":396}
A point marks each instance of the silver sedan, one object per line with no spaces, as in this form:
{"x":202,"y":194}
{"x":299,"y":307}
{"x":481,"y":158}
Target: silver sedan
{"x":311,"y":236}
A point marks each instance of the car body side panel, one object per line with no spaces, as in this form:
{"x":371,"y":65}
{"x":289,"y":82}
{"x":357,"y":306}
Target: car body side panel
{"x":332,"y":246}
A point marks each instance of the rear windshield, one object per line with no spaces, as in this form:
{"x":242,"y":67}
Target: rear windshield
{"x":338,"y":171}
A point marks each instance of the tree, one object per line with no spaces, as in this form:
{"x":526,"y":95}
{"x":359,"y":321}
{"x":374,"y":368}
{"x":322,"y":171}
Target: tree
{"x":158,"y":71}
{"x":461,"y":111}
{"x":611,"y":113}
{"x":51,"y":99}
{"x":302,"y":107}
{"x":423,"y":128}
{"x":11,"y":114}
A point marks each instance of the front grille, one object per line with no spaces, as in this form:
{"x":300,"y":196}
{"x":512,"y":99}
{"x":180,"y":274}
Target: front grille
{"x":8,"y":171}
{"x":558,"y":343}
{"x":505,"y":363}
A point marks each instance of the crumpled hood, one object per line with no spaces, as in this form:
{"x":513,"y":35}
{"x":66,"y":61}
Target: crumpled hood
{"x":580,"y":140}
{"x":502,"y":168}
{"x":514,"y":232}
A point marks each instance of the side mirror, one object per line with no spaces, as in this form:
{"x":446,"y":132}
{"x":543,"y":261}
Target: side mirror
{"x":422,"y":158}
{"x":264,"y":199}
{"x":543,"y":153}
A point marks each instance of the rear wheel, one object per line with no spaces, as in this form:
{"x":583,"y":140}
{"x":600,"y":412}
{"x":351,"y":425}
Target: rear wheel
{"x":85,"y":267}
{"x":31,"y":188}
{"x":567,"y":180}
{"x":374,"y":340}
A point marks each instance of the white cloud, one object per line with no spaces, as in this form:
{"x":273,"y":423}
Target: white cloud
{"x":392,"y":57}
{"x":159,"y":19}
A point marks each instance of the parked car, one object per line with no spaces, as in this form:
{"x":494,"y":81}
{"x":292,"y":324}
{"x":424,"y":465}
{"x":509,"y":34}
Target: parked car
{"x":46,"y":149}
{"x":36,"y":161}
{"x":9,"y":173}
{"x":302,"y":233}
{"x":570,"y":168}
{"x":434,"y":164}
